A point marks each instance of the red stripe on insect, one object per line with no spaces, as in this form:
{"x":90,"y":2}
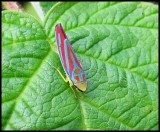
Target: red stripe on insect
{"x":70,"y":59}
{"x":62,"y":37}
{"x":76,"y":59}
{"x":77,"y":78}
{"x":83,"y":76}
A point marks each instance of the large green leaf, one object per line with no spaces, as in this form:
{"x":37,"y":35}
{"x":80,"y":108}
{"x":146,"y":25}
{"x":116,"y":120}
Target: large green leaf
{"x":117,"y":45}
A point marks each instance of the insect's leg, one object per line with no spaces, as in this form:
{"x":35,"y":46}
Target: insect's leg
{"x":71,"y":85}
{"x":73,"y":90}
{"x":66,"y":80}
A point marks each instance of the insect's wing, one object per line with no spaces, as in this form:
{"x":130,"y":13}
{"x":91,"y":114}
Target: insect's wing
{"x":69,"y":60}
{"x":60,"y":37}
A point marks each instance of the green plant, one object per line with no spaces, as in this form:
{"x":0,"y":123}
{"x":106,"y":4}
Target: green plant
{"x":117,"y":45}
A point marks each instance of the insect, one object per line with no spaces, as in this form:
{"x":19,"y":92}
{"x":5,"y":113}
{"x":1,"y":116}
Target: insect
{"x":70,"y":63}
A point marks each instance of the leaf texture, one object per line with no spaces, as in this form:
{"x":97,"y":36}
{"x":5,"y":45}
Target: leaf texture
{"x":117,"y":45}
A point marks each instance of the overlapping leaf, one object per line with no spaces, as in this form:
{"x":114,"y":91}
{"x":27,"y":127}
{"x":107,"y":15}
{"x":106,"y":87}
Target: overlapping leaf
{"x":46,"y":6}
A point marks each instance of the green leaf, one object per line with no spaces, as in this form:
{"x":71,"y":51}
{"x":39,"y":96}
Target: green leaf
{"x":46,"y":6}
{"x":117,"y":45}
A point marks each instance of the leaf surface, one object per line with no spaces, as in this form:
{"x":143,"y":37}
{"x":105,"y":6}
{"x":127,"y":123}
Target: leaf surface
{"x":117,"y":45}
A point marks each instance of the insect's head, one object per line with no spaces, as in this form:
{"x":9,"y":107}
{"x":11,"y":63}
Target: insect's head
{"x":81,"y":86}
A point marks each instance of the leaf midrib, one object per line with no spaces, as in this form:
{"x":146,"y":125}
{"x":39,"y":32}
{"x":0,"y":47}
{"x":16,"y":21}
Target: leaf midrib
{"x":106,"y":112}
